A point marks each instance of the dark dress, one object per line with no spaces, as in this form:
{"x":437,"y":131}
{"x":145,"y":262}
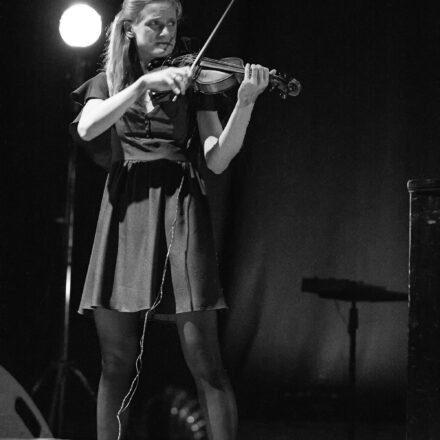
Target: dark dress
{"x":153,"y":184}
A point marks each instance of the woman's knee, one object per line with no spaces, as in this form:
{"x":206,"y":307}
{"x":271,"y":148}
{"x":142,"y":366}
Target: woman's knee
{"x":117,"y":363}
{"x":118,"y":339}
{"x":199,"y":340}
{"x":207,"y":367}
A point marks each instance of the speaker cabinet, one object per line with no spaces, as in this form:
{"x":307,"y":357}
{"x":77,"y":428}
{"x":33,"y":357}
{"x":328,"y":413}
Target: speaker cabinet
{"x":19,"y":416}
{"x":423,"y":409}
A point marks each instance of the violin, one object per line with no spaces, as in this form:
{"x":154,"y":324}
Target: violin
{"x":216,"y":76}
{"x":211,"y":76}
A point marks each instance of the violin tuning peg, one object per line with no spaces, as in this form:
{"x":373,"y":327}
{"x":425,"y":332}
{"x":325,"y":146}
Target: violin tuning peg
{"x":283,"y":93}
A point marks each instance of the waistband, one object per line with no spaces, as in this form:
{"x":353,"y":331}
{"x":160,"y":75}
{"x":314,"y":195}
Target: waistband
{"x":154,"y":151}
{"x":186,"y":165}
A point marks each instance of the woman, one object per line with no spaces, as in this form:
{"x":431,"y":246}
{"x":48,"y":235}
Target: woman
{"x":153,"y":247}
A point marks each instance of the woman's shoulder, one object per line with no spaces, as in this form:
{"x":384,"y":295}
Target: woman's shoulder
{"x":99,"y":79}
{"x":95,"y":87}
{"x":100,"y":76}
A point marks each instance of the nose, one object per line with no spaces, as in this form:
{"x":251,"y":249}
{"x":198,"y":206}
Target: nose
{"x":165,"y":31}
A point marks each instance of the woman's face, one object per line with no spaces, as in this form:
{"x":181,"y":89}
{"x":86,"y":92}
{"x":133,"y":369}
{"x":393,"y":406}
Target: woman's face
{"x":155,"y":30}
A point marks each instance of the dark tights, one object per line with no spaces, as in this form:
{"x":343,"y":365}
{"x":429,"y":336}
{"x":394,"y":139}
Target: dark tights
{"x":118,"y":335}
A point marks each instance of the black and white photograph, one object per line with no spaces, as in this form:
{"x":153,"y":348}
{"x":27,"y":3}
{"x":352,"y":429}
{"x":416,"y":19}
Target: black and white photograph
{"x":221,"y":220}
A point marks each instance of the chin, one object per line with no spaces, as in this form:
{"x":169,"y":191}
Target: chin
{"x":164,"y":51}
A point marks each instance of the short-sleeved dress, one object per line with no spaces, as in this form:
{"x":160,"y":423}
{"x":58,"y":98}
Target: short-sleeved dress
{"x":149,"y":159}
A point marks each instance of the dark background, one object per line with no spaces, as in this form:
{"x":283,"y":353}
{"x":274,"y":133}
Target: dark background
{"x":319,"y":189}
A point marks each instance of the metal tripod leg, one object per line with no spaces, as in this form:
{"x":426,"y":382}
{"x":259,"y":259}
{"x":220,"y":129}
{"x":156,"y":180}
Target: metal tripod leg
{"x":353,"y":324}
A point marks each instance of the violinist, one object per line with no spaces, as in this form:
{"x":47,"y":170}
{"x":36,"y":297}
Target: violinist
{"x":153,"y":250}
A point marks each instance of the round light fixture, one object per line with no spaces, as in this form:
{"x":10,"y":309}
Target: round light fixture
{"x":80,"y":25}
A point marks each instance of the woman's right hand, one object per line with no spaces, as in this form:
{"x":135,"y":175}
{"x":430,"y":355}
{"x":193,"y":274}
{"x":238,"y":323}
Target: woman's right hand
{"x":175,"y":79}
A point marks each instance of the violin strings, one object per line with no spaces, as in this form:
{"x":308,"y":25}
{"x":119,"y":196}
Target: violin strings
{"x":189,"y":59}
{"x":224,"y":64}
{"x":238,"y":69}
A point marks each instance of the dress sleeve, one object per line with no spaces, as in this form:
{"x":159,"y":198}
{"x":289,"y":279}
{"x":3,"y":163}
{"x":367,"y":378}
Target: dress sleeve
{"x":98,"y":149}
{"x":95,"y":87}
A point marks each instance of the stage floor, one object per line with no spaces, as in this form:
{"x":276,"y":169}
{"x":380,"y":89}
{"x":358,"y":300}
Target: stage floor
{"x":264,"y":430}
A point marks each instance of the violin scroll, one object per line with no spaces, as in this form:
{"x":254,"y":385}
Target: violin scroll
{"x":286,"y":86}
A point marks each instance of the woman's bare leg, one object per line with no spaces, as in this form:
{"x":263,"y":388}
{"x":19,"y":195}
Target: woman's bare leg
{"x":199,"y":341}
{"x":118,"y":338}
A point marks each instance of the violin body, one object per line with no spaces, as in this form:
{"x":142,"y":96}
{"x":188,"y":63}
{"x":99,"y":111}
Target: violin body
{"x":211,"y":81}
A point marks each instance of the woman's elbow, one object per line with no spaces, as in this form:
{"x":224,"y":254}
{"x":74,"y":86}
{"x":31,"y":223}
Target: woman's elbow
{"x":212,"y":159}
{"x":216,"y":170}
{"x":84,"y":132}
{"x":215,"y":167}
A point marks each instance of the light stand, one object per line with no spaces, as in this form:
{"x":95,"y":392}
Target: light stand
{"x":63,"y":367}
{"x":69,"y":24}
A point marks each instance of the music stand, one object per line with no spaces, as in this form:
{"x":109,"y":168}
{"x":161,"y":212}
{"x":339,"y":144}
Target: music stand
{"x":352,"y":291}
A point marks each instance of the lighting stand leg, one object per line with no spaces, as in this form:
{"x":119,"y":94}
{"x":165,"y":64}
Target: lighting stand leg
{"x":353,"y":324}
{"x":63,"y":367}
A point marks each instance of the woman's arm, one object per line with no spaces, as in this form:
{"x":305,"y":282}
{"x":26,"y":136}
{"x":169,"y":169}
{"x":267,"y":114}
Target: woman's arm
{"x":222,"y":144}
{"x":100,"y":114}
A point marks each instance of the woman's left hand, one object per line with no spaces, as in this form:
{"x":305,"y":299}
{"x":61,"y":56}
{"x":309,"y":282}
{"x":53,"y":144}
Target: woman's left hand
{"x":255,"y":81}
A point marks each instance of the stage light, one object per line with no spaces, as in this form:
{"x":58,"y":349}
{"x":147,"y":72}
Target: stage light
{"x":80,"y":25}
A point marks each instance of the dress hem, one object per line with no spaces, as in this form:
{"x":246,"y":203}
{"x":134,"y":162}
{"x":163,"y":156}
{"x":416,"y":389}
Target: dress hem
{"x":86,"y":310}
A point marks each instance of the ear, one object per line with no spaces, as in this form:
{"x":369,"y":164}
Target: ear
{"x":128,"y":30}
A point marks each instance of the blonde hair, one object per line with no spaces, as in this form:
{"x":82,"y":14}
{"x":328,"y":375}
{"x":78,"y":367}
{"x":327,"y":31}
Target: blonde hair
{"x":121,"y":60}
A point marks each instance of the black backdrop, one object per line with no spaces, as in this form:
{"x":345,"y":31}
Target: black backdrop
{"x":319,"y":188}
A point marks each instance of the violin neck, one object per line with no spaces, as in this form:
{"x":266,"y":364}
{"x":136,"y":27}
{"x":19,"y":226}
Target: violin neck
{"x":232,"y":68}
{"x":221,"y":66}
